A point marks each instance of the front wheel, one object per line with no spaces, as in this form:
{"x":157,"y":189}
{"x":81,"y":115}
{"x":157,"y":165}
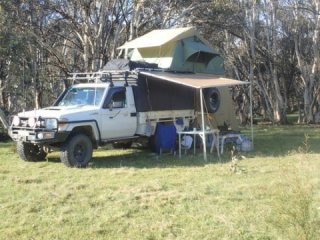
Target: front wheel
{"x":30,"y":152}
{"x":77,"y":151}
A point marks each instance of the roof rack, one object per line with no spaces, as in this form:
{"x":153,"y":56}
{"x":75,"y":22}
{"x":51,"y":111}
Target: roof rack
{"x":104,"y":76}
{"x":129,"y":77}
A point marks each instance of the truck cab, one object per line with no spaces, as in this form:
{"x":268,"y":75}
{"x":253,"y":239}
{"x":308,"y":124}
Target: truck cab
{"x":84,"y":116}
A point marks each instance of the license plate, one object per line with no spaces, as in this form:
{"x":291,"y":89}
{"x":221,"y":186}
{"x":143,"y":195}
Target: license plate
{"x":23,"y":133}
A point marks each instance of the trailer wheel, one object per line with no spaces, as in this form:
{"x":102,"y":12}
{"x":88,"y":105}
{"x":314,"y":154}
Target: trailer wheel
{"x":77,"y":151}
{"x":212,"y":99}
{"x":30,"y":152}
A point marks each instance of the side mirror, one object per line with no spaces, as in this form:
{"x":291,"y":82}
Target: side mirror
{"x":110,"y":105}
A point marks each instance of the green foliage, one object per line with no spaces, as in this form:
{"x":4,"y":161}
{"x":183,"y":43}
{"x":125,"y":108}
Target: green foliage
{"x":305,"y":148}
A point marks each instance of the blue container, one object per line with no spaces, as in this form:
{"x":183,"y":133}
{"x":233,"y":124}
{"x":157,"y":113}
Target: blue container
{"x":165,"y":137}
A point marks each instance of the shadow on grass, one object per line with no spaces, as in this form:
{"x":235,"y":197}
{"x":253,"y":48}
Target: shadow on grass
{"x":137,"y":158}
{"x":53,"y":159}
{"x":270,"y":141}
{"x":143,"y":160}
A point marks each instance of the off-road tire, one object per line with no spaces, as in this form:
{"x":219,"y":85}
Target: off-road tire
{"x":77,"y":151}
{"x":30,"y":152}
{"x":212,"y":99}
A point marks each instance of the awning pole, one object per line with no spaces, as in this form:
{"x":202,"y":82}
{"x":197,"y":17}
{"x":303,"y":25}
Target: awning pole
{"x":251,"y":112}
{"x":203,"y":127}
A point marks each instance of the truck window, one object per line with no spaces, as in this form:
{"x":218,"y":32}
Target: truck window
{"x":82,"y":96}
{"x":118,"y":100}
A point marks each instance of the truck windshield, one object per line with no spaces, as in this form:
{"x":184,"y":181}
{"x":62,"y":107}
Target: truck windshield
{"x":82,"y":96}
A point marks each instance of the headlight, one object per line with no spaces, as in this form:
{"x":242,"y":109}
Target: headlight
{"x":51,"y":123}
{"x":31,"y":122}
{"x":16,"y":121}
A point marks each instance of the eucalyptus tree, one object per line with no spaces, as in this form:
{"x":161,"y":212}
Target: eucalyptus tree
{"x":306,"y":27}
{"x":11,"y":48}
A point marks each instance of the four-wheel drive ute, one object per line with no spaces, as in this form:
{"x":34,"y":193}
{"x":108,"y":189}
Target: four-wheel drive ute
{"x":88,"y":115}
{"x":72,"y":125}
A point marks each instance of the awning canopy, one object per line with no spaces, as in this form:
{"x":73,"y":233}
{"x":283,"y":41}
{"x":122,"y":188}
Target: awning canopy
{"x":195,"y":80}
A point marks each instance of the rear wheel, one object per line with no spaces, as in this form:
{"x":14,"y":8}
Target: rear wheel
{"x":30,"y":152}
{"x":77,"y":151}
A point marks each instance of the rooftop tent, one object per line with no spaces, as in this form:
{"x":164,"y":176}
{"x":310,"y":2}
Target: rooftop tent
{"x":179,"y":49}
{"x":157,"y":38}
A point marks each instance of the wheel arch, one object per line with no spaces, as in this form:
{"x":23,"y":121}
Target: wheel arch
{"x":87,"y":130}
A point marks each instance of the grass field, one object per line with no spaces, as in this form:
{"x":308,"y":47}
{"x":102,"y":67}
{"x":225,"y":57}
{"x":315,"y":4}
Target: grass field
{"x":132,"y":194}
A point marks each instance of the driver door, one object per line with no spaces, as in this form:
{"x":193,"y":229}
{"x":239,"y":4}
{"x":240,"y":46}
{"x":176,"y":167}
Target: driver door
{"x":115,"y":118}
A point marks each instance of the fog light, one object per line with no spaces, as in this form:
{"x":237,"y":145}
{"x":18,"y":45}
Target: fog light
{"x":45,"y":135}
{"x":40,"y":135}
{"x":16,"y":121}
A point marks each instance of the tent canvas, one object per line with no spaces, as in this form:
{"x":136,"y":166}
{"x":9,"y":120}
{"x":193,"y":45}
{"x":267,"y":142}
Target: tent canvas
{"x":178,"y":49}
{"x":159,"y":37}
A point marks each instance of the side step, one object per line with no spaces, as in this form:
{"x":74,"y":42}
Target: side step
{"x":119,"y":139}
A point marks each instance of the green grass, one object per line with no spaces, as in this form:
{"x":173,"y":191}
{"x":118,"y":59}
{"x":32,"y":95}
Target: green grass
{"x":132,"y":194}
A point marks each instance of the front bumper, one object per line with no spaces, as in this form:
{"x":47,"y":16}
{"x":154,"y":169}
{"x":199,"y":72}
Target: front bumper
{"x":38,"y":136}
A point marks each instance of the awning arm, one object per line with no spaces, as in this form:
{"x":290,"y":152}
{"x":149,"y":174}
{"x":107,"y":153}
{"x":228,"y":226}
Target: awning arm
{"x":203,"y":127}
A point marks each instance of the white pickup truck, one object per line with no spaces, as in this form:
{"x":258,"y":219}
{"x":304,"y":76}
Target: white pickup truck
{"x":88,"y":115}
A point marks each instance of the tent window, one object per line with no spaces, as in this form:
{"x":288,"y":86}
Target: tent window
{"x":201,"y":57}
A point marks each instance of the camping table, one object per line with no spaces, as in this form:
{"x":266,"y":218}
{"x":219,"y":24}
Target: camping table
{"x":213,"y":132}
